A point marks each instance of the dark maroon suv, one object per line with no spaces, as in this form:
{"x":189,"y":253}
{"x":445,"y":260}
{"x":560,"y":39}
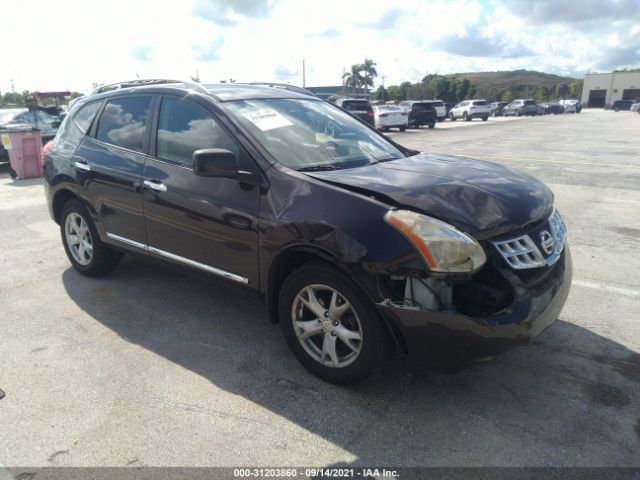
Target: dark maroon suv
{"x":354,"y":241}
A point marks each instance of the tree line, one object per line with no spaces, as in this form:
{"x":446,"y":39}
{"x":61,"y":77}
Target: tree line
{"x":454,"y":89}
{"x":450,"y":88}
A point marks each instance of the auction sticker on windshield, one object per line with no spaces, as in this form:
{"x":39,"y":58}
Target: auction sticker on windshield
{"x":267,"y":119}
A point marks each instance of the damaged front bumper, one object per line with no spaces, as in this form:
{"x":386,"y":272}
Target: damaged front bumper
{"x":447,"y":341}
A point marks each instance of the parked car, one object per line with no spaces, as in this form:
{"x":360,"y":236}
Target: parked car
{"x":571,"y":102}
{"x":470,"y":109}
{"x":420,"y":113}
{"x":354,"y":241}
{"x":358,"y":107}
{"x":521,"y":107}
{"x":390,"y":116}
{"x":23,"y":118}
{"x":440,"y":108}
{"x":497,"y":108}
{"x":635,"y":107}
{"x":553,"y":107}
{"x":621,"y":105}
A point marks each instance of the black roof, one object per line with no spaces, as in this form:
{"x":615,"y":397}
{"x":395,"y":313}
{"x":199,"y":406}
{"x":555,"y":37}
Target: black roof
{"x":220,"y":92}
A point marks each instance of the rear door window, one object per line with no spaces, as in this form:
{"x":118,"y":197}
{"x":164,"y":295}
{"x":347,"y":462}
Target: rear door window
{"x":529,"y":102}
{"x":480,"y":103}
{"x":124,"y":121}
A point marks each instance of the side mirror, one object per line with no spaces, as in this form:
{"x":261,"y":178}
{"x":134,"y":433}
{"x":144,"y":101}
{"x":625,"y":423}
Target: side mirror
{"x":215,"y":162}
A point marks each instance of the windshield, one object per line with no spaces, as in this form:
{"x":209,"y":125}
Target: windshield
{"x":355,"y":106}
{"x":311,"y":134}
{"x":8,"y":115}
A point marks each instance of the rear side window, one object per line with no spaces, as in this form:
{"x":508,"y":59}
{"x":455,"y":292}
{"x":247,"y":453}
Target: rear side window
{"x":184,"y":127}
{"x":423,"y":107}
{"x":84,"y":116}
{"x":123,"y":122}
{"x":480,"y":103}
{"x":437,"y":104}
{"x":529,"y":102}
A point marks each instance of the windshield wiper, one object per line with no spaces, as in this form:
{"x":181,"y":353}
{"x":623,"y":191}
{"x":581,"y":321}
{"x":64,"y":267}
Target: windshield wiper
{"x":382,"y":160}
{"x":317,"y":168}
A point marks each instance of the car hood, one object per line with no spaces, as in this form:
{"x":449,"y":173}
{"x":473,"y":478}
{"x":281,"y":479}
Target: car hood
{"x":481,"y":198}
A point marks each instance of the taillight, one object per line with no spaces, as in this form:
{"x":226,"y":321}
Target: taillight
{"x":370,"y":113}
{"x":46,"y":149}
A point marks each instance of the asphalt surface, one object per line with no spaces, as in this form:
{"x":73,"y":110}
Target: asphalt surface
{"x":150,"y":366}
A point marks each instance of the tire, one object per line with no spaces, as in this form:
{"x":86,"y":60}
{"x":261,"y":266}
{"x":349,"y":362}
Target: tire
{"x":432,"y":125}
{"x":484,"y":119}
{"x":493,"y":114}
{"x":452,"y":118}
{"x":360,"y":359}
{"x":402,"y":129}
{"x":465,"y":117}
{"x":76,"y":222}
{"x":517,"y":113}
{"x":13,"y":174}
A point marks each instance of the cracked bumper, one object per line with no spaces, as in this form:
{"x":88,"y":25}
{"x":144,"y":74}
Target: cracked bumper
{"x":447,"y":341}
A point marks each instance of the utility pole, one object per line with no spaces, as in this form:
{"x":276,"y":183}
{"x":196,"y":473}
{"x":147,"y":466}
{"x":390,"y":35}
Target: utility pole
{"x":13,"y":88}
{"x":304,"y":74}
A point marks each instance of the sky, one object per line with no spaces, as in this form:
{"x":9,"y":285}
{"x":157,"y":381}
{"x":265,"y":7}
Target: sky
{"x":72,"y":44}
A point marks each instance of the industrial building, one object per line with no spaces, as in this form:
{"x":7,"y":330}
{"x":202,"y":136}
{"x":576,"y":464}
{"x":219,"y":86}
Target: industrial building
{"x":602,"y":89}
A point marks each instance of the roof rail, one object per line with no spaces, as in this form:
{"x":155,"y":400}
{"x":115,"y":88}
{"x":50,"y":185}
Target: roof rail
{"x":145,"y":82}
{"x":284,"y":86}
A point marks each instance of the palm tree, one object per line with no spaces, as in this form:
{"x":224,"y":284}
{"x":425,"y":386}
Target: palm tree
{"x":370,"y":72}
{"x":353,"y":78}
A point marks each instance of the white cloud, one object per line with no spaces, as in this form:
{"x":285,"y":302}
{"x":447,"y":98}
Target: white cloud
{"x":253,"y":40}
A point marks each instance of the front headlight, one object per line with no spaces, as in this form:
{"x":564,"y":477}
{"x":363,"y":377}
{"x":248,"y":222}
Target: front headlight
{"x":444,"y":248}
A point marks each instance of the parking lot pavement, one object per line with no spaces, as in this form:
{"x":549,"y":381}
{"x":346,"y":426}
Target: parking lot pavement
{"x":153,"y":367}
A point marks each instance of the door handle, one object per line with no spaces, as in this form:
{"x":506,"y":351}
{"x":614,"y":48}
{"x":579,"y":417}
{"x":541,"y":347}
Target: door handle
{"x":82,"y":166}
{"x":156,"y":185}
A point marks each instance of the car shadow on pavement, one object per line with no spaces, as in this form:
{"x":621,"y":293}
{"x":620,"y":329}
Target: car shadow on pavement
{"x":569,"y":399}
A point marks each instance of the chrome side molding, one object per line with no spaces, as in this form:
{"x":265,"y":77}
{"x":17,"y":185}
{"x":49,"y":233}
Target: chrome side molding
{"x":178,"y":258}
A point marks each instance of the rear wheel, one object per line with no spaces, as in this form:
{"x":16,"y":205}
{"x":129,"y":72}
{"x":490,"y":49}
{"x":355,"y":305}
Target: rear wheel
{"x":12,"y":173}
{"x":402,"y":129}
{"x":432,"y":125}
{"x":331,"y":327}
{"x":87,"y":253}
{"x":517,"y":113}
{"x":484,"y":119}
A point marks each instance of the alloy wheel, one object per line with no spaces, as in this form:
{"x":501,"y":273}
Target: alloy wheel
{"x":78,"y":238}
{"x":327,"y":326}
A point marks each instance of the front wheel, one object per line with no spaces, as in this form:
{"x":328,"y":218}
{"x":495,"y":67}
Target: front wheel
{"x":402,"y":129}
{"x":86,"y":252}
{"x":452,"y":117}
{"x":331,"y":327}
{"x":13,"y":174}
{"x":432,"y":125}
{"x":484,"y":119}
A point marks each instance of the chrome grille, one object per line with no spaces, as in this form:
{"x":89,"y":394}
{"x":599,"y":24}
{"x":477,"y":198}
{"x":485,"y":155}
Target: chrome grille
{"x":522,"y":252}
